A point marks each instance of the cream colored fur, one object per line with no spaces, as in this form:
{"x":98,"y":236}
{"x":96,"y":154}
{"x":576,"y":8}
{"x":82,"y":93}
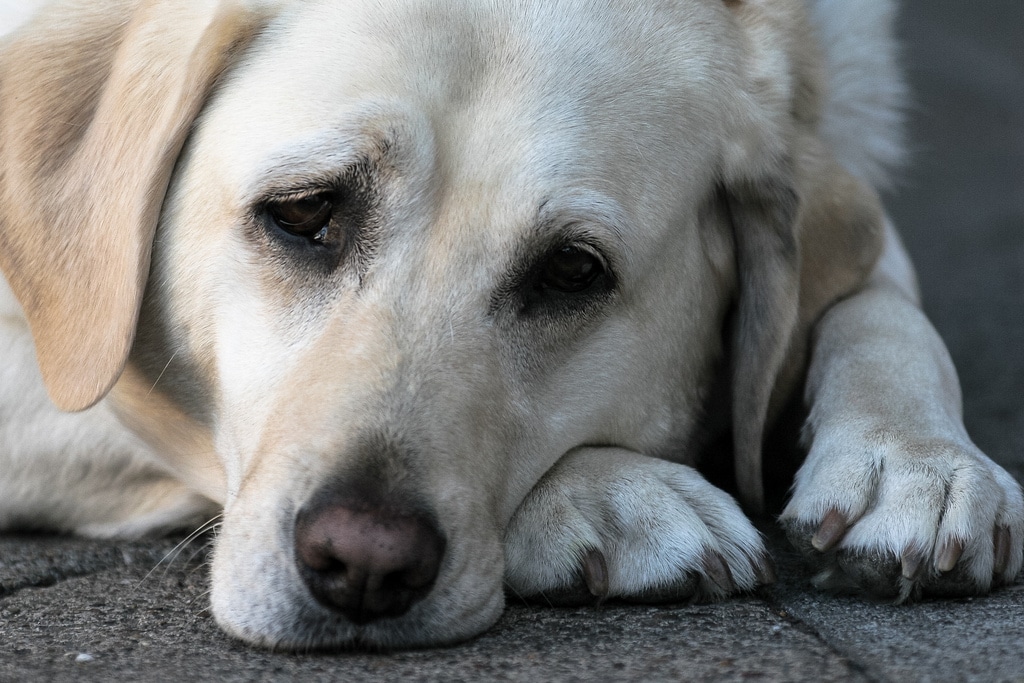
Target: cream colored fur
{"x":722,"y":161}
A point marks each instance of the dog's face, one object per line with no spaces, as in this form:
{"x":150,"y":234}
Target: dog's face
{"x":413,"y":253}
{"x":417,"y":266}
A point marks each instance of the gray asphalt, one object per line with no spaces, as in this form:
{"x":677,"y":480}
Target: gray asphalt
{"x":78,"y":610}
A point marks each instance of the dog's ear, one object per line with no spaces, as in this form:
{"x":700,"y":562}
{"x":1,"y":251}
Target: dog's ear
{"x":760,"y":194}
{"x":96,"y":100}
{"x":805,"y":232}
{"x":804,"y":239}
{"x":762,"y":214}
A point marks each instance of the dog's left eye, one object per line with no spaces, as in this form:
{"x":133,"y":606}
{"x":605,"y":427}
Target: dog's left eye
{"x":568,"y":279}
{"x":307,"y":217}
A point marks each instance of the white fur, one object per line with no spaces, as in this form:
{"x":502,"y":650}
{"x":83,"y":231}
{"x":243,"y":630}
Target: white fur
{"x":493,"y":125}
{"x":84,"y":456}
{"x":863,"y":116}
{"x":13,"y":13}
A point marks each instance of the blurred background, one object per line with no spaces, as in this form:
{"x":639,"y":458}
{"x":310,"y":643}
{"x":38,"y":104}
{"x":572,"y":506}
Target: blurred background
{"x":960,"y":201}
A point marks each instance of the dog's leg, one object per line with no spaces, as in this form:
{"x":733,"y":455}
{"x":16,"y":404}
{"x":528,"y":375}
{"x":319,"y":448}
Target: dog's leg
{"x":610,"y":523}
{"x":894,"y":498}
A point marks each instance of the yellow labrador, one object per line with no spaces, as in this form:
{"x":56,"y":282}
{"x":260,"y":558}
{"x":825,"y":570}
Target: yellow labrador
{"x":434,"y":297}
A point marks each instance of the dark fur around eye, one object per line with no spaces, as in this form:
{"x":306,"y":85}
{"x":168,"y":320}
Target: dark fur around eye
{"x":318,"y":230}
{"x":568,"y":279}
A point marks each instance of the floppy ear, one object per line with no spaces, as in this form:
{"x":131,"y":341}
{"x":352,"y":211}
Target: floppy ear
{"x":96,"y":100}
{"x":763,"y":218}
{"x":805,"y":232}
{"x":801,"y":246}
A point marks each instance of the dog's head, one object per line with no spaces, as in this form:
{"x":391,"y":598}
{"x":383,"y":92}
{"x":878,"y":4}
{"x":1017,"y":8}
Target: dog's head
{"x":390,"y":261}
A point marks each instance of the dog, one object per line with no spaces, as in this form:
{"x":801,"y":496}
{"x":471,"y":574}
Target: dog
{"x":421,"y":301}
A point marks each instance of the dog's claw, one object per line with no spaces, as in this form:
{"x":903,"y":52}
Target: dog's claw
{"x":765,"y":570}
{"x":832,"y":529}
{"x":717,"y":572}
{"x":1001,"y":550}
{"x":913,"y":562}
{"x":595,"y":573}
{"x":949,"y":555}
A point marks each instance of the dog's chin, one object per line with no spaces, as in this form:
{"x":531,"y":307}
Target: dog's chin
{"x":310,"y":628}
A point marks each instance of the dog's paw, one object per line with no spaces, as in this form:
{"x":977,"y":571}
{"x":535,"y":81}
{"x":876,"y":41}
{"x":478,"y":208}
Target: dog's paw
{"x":609,"y":523}
{"x":899,"y":518}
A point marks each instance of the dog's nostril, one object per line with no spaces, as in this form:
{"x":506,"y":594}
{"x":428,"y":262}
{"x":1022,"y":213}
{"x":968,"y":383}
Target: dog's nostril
{"x":367,"y":564}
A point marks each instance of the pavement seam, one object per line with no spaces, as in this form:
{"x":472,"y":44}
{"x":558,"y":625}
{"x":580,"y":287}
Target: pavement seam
{"x":782,"y":611}
{"x":111,"y":557}
{"x":9,"y":590}
{"x":49,"y":580}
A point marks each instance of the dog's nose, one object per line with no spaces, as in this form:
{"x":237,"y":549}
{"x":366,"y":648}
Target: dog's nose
{"x":367,"y":564}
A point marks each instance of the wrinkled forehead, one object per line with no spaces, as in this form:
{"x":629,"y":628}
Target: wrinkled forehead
{"x":512,"y":101}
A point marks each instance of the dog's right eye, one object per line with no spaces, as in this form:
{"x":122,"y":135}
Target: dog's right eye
{"x":306,"y":217}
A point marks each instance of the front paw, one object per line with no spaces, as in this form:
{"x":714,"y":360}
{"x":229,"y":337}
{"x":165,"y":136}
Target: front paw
{"x":609,"y":523}
{"x":899,"y":518}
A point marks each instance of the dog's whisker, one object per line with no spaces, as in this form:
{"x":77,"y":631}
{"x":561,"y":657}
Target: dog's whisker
{"x":509,"y":587}
{"x":171,"y":555}
{"x":191,"y":604}
{"x":160,"y":376}
{"x":204,"y":548}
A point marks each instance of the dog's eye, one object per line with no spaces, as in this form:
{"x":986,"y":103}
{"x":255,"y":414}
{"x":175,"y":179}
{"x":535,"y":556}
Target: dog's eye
{"x":307,"y":217}
{"x":570,"y":280}
{"x":570,"y":270}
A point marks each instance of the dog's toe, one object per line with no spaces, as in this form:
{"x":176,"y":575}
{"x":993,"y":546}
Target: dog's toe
{"x":589,"y":585}
{"x":914,"y":519}
{"x":609,"y":523}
